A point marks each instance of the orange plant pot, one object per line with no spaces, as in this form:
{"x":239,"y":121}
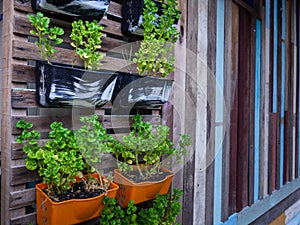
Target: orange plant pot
{"x":71,"y":211}
{"x":140,"y":192}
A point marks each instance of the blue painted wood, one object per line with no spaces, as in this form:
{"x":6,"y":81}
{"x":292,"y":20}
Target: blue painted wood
{"x":257,"y":111}
{"x":295,"y":220}
{"x":232,"y":220}
{"x":268,"y":14}
{"x":219,"y":111}
{"x":275,"y":43}
{"x":282,"y":93}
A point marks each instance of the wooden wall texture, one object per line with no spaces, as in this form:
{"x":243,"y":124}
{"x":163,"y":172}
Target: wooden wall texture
{"x":19,"y":53}
{"x":237,"y":93}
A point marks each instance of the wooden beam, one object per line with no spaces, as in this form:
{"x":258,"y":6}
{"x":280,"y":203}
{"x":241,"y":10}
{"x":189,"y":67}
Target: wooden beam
{"x":7,"y":31}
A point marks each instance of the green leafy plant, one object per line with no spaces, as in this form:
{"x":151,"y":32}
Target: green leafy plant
{"x":93,"y":141}
{"x":154,"y":57}
{"x":86,"y":37}
{"x":149,"y":143}
{"x":66,"y":154}
{"x":113,"y":214}
{"x":48,"y":37}
{"x":58,"y":161}
{"x":164,"y":211}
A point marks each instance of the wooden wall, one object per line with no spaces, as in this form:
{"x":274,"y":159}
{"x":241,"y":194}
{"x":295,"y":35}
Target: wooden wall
{"x":19,"y":55}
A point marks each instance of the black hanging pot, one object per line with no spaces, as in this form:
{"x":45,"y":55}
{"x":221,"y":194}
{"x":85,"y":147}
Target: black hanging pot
{"x":60,"y":85}
{"x":136,"y":91}
{"x":81,"y":9}
{"x":132,"y":17}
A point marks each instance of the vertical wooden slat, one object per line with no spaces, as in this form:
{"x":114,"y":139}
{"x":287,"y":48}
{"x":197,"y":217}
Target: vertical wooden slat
{"x":190,"y":115}
{"x":203,"y":74}
{"x":252,"y":108}
{"x":7,"y":30}
{"x":219,"y":116}
{"x":178,"y":99}
{"x":265,"y":94}
{"x":234,"y":110}
{"x":211,"y":60}
{"x":244,"y":109}
{"x":296,"y":86}
{"x":228,"y":93}
{"x":257,"y":115}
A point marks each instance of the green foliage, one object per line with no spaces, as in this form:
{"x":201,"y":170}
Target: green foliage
{"x":150,"y":143}
{"x":113,"y":214}
{"x":163,"y":212}
{"x":66,"y":154}
{"x":86,"y":37}
{"x":47,"y":36}
{"x":92,"y":140}
{"x":58,"y":161}
{"x":154,"y":56}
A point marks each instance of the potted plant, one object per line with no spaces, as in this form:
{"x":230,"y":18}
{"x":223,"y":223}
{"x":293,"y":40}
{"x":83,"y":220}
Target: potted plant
{"x":164,"y":210}
{"x":61,"y":85}
{"x":154,"y":59}
{"x":133,"y":15}
{"x":142,"y":181}
{"x":66,"y":192}
{"x":84,"y":9}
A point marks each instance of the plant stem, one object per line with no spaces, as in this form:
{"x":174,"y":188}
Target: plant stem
{"x":138,"y":166}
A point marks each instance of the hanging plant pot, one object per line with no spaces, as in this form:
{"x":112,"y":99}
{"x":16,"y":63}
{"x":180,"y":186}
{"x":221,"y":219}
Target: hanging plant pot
{"x":60,"y":85}
{"x":81,"y":9}
{"x":132,"y":17}
{"x":133,"y":90}
{"x":140,"y":192}
{"x":71,"y":211}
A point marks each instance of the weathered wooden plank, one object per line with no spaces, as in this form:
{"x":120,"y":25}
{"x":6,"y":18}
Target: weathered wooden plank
{"x":252,"y":117}
{"x":24,"y":219}
{"x":244,"y":110}
{"x":20,"y":175}
{"x":29,"y":51}
{"x":23,"y":98}
{"x":25,"y":6}
{"x":211,"y":99}
{"x":272,"y":152}
{"x":228,"y":95}
{"x":22,"y":198}
{"x":23,"y":73}
{"x":41,"y":123}
{"x":234,"y":111}
{"x":7,"y":29}
{"x":265,"y":95}
{"x":22,"y":26}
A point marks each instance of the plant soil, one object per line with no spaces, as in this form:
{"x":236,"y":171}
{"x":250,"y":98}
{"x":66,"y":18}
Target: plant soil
{"x":79,"y":191}
{"x":136,"y":177}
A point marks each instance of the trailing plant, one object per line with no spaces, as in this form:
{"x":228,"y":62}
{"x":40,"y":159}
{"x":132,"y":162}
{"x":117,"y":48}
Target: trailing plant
{"x":164,"y":211}
{"x":86,"y":37}
{"x":48,"y":37}
{"x":58,"y":161}
{"x":113,"y":214}
{"x":149,"y":143}
{"x":154,"y":56}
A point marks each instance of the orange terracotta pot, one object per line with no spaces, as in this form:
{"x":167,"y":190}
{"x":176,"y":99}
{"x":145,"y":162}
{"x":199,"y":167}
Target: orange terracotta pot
{"x":71,"y":211}
{"x":140,"y":192}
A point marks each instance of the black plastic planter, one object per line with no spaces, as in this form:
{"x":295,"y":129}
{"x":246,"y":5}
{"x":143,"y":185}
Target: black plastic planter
{"x":135,"y":91}
{"x":132,"y":17}
{"x":81,"y":9}
{"x":63,"y":86}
